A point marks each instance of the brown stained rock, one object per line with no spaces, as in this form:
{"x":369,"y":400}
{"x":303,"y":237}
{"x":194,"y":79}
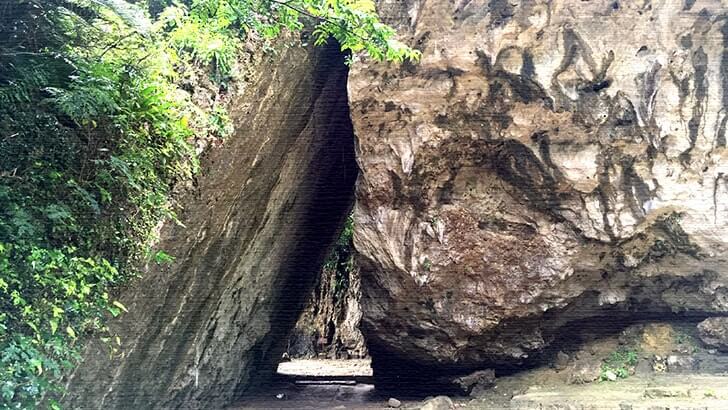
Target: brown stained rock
{"x":555,"y":162}
{"x":714,"y":332}
{"x":658,"y":339}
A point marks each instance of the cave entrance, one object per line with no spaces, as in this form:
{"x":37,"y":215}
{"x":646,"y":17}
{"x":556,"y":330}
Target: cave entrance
{"x":325,"y":362}
{"x":326,"y":346}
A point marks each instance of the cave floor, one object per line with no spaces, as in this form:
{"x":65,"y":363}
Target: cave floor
{"x":542,"y":388}
{"x":658,"y":392}
{"x":326,"y":367}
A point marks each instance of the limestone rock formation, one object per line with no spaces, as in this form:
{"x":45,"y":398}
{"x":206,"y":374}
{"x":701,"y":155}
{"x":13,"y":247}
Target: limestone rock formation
{"x":545,"y":162}
{"x":255,"y":232}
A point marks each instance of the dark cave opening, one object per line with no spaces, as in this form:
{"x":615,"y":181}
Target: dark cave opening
{"x":307,"y":349}
{"x":605,"y":331}
{"x":311,"y":284}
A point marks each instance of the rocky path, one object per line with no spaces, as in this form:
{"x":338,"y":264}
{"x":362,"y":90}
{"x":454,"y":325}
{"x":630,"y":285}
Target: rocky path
{"x":530,"y":390}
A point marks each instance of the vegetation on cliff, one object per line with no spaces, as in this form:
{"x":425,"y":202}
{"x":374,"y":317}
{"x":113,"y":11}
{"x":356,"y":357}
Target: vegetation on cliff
{"x":95,"y":130}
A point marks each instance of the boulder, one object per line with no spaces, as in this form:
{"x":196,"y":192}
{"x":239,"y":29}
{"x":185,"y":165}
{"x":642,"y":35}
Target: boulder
{"x":585,"y":370}
{"x":475,"y":383}
{"x":714,"y":332}
{"x":544,"y":163}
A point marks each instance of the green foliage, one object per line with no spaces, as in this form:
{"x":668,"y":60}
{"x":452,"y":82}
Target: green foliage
{"x":91,"y":139}
{"x":341,"y":259}
{"x":218,"y":123}
{"x":686,"y":341}
{"x":619,"y":363}
{"x":355,"y":25}
{"x":210,"y":29}
{"x":94,"y":132}
{"x":49,"y":298}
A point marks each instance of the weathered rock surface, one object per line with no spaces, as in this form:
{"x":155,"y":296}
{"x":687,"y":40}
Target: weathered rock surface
{"x":714,"y":332}
{"x":267,"y":206}
{"x":329,"y":324}
{"x":475,"y":383}
{"x":545,"y":162}
{"x":585,"y":370}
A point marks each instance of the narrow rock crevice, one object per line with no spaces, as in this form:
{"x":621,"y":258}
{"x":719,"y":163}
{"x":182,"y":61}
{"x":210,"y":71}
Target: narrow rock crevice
{"x":329,"y":324}
{"x":255,"y":231}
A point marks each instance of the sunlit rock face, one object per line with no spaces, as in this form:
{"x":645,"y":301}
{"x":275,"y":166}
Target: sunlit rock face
{"x":253,"y":235}
{"x":545,"y":162}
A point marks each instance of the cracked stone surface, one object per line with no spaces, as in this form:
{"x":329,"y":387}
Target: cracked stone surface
{"x":545,"y":162}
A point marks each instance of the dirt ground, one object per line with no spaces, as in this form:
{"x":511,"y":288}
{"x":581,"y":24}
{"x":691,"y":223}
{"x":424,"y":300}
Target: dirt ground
{"x":660,"y":392}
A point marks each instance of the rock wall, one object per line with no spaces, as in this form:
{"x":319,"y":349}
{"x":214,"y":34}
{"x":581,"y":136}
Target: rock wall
{"x":255,"y":232}
{"x":546,"y":162}
{"x":329,"y":324}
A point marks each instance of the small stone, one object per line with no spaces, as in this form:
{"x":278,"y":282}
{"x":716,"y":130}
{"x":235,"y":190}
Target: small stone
{"x":438,"y":403}
{"x":610,"y":375}
{"x":281,"y":396}
{"x":394,"y":403}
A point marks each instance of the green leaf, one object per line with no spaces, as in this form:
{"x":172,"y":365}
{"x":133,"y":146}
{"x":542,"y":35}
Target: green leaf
{"x":114,"y":311}
{"x":161,"y":257}
{"x":37,"y":365}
